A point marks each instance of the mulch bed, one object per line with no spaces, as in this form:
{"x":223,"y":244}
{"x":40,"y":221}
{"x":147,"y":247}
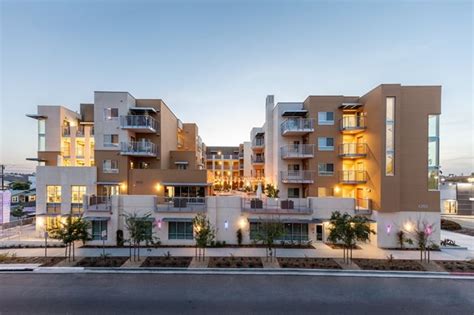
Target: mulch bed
{"x":308,"y":263}
{"x":235,"y":262}
{"x":457,"y":266}
{"x":383,"y":264}
{"x":449,"y":225}
{"x":178,"y":262}
{"x":43,"y":261}
{"x":339,"y":246}
{"x":101,"y":262}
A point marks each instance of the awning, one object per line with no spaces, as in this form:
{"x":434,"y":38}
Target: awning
{"x":34,"y":116}
{"x":36,"y":159}
{"x":107,"y":183}
{"x":145,"y":109}
{"x":260,"y":220}
{"x":295,"y":112}
{"x":97,"y":218}
{"x":177,"y":220}
{"x":260,"y":133}
{"x":186,"y":184}
{"x":86,"y":123}
{"x":181,"y":162}
{"x":350,"y":105}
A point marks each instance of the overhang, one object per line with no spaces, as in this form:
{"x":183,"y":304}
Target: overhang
{"x":177,"y":220}
{"x":350,"y":105}
{"x":295,"y":113}
{"x":186,"y":184}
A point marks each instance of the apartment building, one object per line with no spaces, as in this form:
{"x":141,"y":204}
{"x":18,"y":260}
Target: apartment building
{"x":457,"y":195}
{"x":115,"y":145}
{"x":227,"y":166}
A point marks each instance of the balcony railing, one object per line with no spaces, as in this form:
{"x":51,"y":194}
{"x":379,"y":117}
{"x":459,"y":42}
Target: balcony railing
{"x":222,"y":156}
{"x":138,"y":148}
{"x":258,"y":143}
{"x":297,"y":151}
{"x":66,"y":131}
{"x":353,"y":150}
{"x":181,"y":204}
{"x":80,"y":132}
{"x":297,"y":126}
{"x":297,"y":177}
{"x":258,"y":159}
{"x":276,"y":206}
{"x":363,"y":205}
{"x":97,"y":203}
{"x":144,"y":123}
{"x":352,"y":124}
{"x":353,"y":177}
{"x":53,"y":207}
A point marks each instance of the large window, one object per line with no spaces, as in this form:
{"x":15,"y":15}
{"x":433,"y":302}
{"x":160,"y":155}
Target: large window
{"x":97,"y":228}
{"x":110,"y":166}
{"x":325,"y":169}
{"x":110,"y":140}
{"x":293,"y":192}
{"x":53,"y":194}
{"x":41,"y":135}
{"x":77,"y":193}
{"x":180,"y":230}
{"x":110,"y":113}
{"x":293,"y":231}
{"x":325,"y":144}
{"x":433,"y":152}
{"x":184,"y":191}
{"x":325,"y":118}
{"x":390,"y":136}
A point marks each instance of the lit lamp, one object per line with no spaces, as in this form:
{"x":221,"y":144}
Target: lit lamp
{"x":408,"y":226}
{"x":226,"y":224}
{"x":337,"y":189}
{"x":388,"y":228}
{"x":242,"y":223}
{"x":158,"y":187}
{"x":158,"y":223}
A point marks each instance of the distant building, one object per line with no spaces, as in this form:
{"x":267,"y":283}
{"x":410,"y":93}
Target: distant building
{"x":27,"y":198}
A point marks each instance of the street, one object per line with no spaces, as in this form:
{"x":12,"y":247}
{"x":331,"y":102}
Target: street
{"x":114,"y":293}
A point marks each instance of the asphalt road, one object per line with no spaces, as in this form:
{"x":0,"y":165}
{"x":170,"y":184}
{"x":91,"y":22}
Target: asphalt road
{"x":30,"y":293}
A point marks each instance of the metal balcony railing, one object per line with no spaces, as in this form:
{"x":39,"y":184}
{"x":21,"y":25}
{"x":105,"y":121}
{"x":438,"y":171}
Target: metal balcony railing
{"x":97,"y":203}
{"x":80,"y":132}
{"x":53,"y":207}
{"x":181,"y":204}
{"x":297,"y":151}
{"x":294,"y":126}
{"x":352,"y":123}
{"x":258,"y":142}
{"x":66,"y":131}
{"x":300,"y":177}
{"x":352,"y":150}
{"x":352,"y":177}
{"x":138,"y":148}
{"x":258,"y":159}
{"x":276,"y":205}
{"x":363,"y":205}
{"x":138,"y":122}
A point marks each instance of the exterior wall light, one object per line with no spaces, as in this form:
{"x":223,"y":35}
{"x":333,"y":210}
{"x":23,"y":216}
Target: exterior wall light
{"x":337,"y":189}
{"x":159,"y":224}
{"x":158,"y":187}
{"x":388,"y":229}
{"x":242,"y":223}
{"x":226,"y":224}
{"x":408,"y":226}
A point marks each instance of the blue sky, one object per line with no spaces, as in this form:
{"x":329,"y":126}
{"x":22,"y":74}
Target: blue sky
{"x":213,"y":62}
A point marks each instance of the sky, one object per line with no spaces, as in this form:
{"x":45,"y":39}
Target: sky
{"x":214,"y":62}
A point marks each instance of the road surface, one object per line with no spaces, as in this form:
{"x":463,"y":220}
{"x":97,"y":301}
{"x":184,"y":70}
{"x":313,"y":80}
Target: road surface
{"x":34,"y":293}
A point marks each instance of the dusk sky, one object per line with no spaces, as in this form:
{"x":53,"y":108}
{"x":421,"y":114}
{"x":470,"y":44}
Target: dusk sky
{"x":213,"y":63}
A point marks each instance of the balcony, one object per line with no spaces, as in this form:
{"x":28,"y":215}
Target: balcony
{"x":363,"y":206}
{"x":138,"y":148}
{"x":66,"y":131}
{"x":297,"y":126}
{"x":222,"y":156}
{"x":97,"y":203}
{"x":53,"y":208}
{"x":352,"y":124}
{"x":257,"y":160}
{"x":353,"y":177}
{"x":181,"y":204}
{"x":276,"y":206}
{"x":353,"y":150}
{"x":80,"y":133}
{"x":297,"y":177}
{"x":139,"y":123}
{"x":297,"y":151}
{"x":258,"y":144}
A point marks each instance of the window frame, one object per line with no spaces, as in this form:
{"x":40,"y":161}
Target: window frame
{"x":323,"y":119}
{"x":325,"y":147}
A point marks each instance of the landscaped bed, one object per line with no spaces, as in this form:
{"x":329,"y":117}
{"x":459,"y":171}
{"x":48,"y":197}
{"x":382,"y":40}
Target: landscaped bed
{"x":457,"y":266}
{"x":309,"y":263}
{"x":172,"y":262}
{"x":101,"y":262}
{"x":235,"y":262}
{"x":43,"y":261}
{"x":395,"y":264}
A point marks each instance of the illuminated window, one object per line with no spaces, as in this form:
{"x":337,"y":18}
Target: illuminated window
{"x":80,"y":149}
{"x":390,"y":136}
{"x":110,"y":113}
{"x":77,"y":193}
{"x":433,"y":152}
{"x":53,"y":194}
{"x":66,"y":149}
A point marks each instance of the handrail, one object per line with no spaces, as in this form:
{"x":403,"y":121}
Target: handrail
{"x":297,"y":124}
{"x":138,"y":121}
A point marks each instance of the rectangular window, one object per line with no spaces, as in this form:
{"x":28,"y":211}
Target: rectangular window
{"x":182,"y":166}
{"x":110,"y":166}
{"x":293,"y":231}
{"x":433,"y":152}
{"x":325,"y":144}
{"x":293,"y":192}
{"x":390,"y":136}
{"x":325,"y":118}
{"x":110,"y":140}
{"x":80,"y":149}
{"x":53,"y":194}
{"x":77,"y":193}
{"x":326,"y":169}
{"x":97,"y":228}
{"x":66,"y":148}
{"x":325,"y":192}
{"x":110,"y":113}
{"x":41,"y":135}
{"x":180,"y":230}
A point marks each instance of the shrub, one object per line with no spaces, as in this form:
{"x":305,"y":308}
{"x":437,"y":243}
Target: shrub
{"x":450,"y":225}
{"x":239,"y":236}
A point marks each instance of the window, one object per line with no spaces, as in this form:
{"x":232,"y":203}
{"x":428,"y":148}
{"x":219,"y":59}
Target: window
{"x":390,"y":136}
{"x":325,"y":192}
{"x":66,"y":149}
{"x":110,"y":113}
{"x":80,"y":149}
{"x":182,"y":166}
{"x":293,"y":231}
{"x":41,"y":135}
{"x":293,"y":192}
{"x":97,"y":228}
{"x":433,"y":152}
{"x":77,"y":193}
{"x":325,"y":144}
{"x":53,"y":194}
{"x":180,"y":230}
{"x":325,"y":169}
{"x":110,"y":140}
{"x":110,"y":166}
{"x":325,"y":118}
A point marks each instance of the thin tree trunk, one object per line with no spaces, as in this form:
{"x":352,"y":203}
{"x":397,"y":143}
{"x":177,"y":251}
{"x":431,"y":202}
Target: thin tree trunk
{"x":73,"y":251}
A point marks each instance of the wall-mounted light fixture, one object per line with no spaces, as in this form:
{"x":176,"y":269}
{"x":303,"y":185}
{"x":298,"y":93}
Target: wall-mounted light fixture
{"x":226,"y":224}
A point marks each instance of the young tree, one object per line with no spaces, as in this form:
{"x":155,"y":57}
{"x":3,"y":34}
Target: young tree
{"x":20,"y":186}
{"x":140,"y":229}
{"x":271,"y":191}
{"x":422,"y":233}
{"x":70,"y":231}
{"x":271,"y":229}
{"x":204,"y":234}
{"x":347,"y":229}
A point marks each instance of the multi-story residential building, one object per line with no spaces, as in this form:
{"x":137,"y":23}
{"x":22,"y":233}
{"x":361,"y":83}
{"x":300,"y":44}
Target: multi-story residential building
{"x":374,"y":155}
{"x":457,"y":195}
{"x":116,"y":145}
